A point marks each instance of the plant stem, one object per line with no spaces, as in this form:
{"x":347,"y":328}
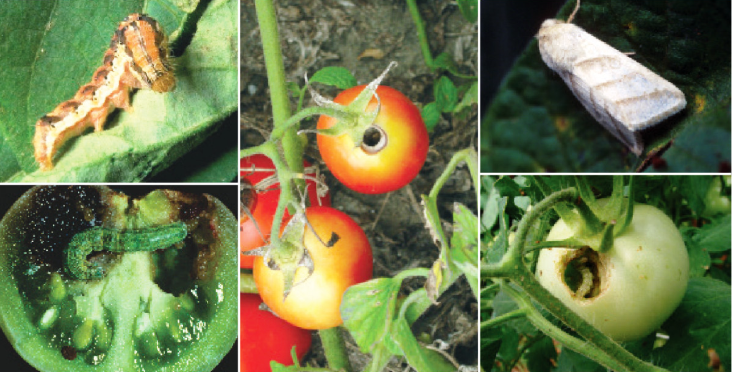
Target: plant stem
{"x":423,"y":41}
{"x":246,"y":283}
{"x":335,"y":349}
{"x":519,"y":313}
{"x":291,"y":144}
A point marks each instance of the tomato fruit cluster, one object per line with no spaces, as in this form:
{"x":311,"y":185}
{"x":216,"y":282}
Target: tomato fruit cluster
{"x":393,"y":151}
{"x":264,"y":338}
{"x":262,"y":205}
{"x":314,"y":303}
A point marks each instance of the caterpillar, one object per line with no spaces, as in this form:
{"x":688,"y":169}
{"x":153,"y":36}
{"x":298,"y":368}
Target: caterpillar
{"x":105,"y":239}
{"x":137,"y":58}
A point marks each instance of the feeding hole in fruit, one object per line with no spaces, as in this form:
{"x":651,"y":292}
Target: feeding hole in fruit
{"x":583,"y":273}
{"x":374,"y":140}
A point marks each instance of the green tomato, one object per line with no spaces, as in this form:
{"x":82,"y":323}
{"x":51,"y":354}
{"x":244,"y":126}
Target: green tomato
{"x":130,"y":304}
{"x":628,"y":291}
{"x":716,"y":201}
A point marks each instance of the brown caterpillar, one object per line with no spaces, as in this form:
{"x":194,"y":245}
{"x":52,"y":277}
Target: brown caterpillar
{"x":137,"y":58}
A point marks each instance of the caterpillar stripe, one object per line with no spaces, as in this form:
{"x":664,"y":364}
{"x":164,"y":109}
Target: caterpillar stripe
{"x":137,"y":58}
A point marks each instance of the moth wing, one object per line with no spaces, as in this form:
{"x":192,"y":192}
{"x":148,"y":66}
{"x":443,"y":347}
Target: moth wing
{"x":628,"y":91}
{"x":599,"y":110}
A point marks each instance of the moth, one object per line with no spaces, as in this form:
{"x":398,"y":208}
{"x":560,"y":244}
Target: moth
{"x":137,"y":58}
{"x":620,"y":93}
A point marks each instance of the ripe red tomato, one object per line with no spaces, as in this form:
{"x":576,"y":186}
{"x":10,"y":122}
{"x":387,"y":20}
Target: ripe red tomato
{"x":385,"y":166}
{"x":264,"y":337}
{"x":262,"y":205}
{"x":315,"y":302}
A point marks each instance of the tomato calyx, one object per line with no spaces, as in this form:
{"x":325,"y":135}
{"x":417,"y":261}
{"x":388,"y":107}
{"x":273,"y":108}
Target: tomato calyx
{"x":355,"y":119}
{"x":288,"y":253}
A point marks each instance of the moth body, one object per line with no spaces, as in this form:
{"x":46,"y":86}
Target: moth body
{"x":620,"y":93}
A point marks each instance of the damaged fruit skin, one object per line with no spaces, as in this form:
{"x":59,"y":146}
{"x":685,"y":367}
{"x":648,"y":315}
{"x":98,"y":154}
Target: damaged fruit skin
{"x":314,"y":302}
{"x":63,"y":324}
{"x":391,"y":167}
{"x":642,"y":278}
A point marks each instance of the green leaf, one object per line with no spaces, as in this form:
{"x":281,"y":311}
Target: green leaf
{"x":369,"y":312}
{"x":469,"y":9}
{"x":469,"y":99}
{"x":715,"y":236}
{"x":701,"y":322}
{"x":339,"y":77}
{"x":368,"y":309}
{"x":61,"y":54}
{"x":464,"y":245}
{"x":535,"y":124}
{"x":445,"y":94}
{"x":431,"y":115}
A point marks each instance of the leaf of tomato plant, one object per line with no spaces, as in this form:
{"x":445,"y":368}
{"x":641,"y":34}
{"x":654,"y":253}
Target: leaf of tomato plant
{"x":340,"y":77}
{"x":161,"y":127}
{"x":715,"y":236}
{"x":469,"y":9}
{"x":699,"y":259}
{"x":539,"y":356}
{"x":418,"y":357}
{"x":430,"y":115}
{"x":368,"y":309}
{"x":445,"y":94}
{"x":464,"y":245}
{"x":694,"y":190}
{"x":571,"y":361}
{"x":535,"y":123}
{"x":701,"y":322}
{"x":469,"y":99}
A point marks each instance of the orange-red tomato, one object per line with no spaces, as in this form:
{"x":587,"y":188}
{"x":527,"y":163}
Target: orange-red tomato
{"x":262,"y":205}
{"x":264,"y":337}
{"x":315,"y":302}
{"x":386,"y":166}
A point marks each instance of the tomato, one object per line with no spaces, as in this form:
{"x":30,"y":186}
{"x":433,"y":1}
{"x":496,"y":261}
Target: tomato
{"x":264,"y":337}
{"x":393,"y":151}
{"x":717,"y":200}
{"x":636,"y":285}
{"x":314,"y":303}
{"x":151,"y":308}
{"x":262,"y":205}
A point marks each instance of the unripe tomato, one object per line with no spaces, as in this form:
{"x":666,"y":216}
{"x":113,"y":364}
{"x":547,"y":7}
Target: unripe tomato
{"x":263,"y":205}
{"x":264,"y":337}
{"x":315,"y":302}
{"x":636,"y":285}
{"x":393,"y":150}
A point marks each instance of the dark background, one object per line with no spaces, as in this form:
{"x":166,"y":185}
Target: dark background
{"x":506,"y":28}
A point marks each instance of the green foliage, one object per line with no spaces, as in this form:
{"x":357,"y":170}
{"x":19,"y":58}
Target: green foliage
{"x":535,"y":123}
{"x":338,"y":77}
{"x":700,"y":323}
{"x":46,"y":65}
{"x":469,"y":8}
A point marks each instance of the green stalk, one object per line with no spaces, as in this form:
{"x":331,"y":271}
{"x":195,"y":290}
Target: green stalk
{"x":423,"y":41}
{"x":291,"y":144}
{"x":335,"y":353}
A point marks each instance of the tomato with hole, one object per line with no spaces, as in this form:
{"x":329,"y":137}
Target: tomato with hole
{"x":628,"y":291}
{"x":264,"y":337}
{"x":262,"y":205}
{"x":393,"y":151}
{"x":314,"y":303}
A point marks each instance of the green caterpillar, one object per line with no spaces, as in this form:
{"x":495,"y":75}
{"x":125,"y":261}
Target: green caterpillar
{"x":114,"y":240}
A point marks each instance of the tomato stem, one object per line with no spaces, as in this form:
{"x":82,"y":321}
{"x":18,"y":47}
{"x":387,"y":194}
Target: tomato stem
{"x":334,"y":347}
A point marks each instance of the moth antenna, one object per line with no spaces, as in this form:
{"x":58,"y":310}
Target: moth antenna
{"x":571,"y":16}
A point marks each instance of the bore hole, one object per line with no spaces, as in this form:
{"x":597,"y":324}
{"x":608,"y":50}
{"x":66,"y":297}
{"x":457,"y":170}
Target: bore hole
{"x":374,"y":140}
{"x":583,"y":275}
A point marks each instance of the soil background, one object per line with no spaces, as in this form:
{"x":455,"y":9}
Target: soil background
{"x":320,"y":33}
